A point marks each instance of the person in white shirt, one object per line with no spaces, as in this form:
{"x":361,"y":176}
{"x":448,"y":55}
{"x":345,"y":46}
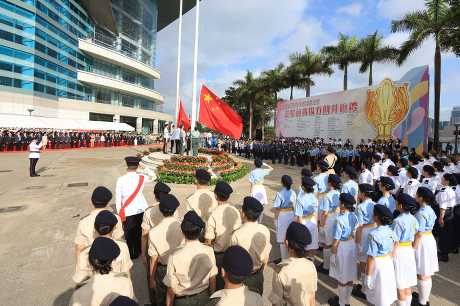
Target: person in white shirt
{"x":34,"y":156}
{"x":366,"y":177}
{"x":172,"y":137}
{"x":386,"y":162}
{"x":131,"y":204}
{"x":175,"y":139}
{"x":376,"y":168}
{"x":428,"y":180}
{"x":402,"y":165}
{"x":412,"y":183}
{"x":166,"y":136}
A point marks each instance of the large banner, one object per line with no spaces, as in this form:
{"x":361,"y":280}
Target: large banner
{"x":397,"y":110}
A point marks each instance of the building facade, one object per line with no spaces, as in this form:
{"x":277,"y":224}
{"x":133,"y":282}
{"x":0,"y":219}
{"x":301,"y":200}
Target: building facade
{"x":92,"y":60}
{"x":455,"y":115}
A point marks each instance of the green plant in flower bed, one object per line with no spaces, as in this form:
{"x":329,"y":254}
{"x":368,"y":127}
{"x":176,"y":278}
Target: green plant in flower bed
{"x":184,"y":166}
{"x":210,"y":151}
{"x":189,"y":159}
{"x":230,"y":175}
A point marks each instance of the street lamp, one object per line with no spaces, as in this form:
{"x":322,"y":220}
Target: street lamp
{"x":456,"y":133}
{"x":30,"y":110}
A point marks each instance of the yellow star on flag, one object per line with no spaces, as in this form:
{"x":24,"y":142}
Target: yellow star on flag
{"x":207,"y":98}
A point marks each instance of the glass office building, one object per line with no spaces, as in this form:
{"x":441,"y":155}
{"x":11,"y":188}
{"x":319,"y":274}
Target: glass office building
{"x":83,"y":59}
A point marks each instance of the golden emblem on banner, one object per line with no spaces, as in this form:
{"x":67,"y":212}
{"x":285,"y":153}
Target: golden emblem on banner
{"x":386,"y":106}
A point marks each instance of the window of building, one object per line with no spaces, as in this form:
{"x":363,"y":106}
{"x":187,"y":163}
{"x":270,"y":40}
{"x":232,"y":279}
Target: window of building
{"x":128,"y":77}
{"x":4,"y":81}
{"x":103,"y":96}
{"x":127,"y":101}
{"x":100,"y":117}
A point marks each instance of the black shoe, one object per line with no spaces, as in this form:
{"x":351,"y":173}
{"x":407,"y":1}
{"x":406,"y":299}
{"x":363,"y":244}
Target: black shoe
{"x":443,"y":257}
{"x":414,"y":301}
{"x":321,"y":269}
{"x":333,"y":301}
{"x":357,"y":291}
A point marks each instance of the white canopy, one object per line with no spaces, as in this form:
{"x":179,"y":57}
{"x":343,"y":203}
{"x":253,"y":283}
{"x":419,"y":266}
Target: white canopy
{"x":34,"y":122}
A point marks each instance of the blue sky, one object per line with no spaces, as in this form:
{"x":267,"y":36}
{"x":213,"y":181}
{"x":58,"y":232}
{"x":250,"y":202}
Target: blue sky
{"x":256,"y":35}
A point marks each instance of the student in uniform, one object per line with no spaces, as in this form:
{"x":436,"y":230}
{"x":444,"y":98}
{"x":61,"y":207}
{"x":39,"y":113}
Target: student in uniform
{"x":236,"y":267}
{"x":283,"y":207}
{"x":428,"y":178}
{"x":405,"y":226}
{"x":376,"y":168}
{"x":222,"y":222}
{"x":104,"y":225}
{"x":305,"y":211}
{"x":365,"y":215}
{"x":191,"y":270}
{"x":295,"y":281}
{"x":85,"y":231}
{"x":164,"y":239}
{"x":412,"y":182}
{"x":393,"y":173}
{"x":105,"y":285}
{"x":350,"y":186}
{"x":446,"y":200}
{"x":402,"y":171}
{"x":328,"y":208}
{"x":365,"y":177}
{"x":426,"y":257}
{"x":343,"y":258}
{"x":202,"y":201}
{"x":386,"y":186}
{"x":321,"y":178}
{"x":254,"y":238}
{"x":380,"y":281}
{"x":256,"y":178}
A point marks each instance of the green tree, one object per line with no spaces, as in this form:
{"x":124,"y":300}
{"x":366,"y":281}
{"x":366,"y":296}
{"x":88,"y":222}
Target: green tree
{"x":372,"y":50}
{"x":291,"y":77}
{"x":343,"y":54}
{"x":247,"y":93}
{"x":432,"y":22}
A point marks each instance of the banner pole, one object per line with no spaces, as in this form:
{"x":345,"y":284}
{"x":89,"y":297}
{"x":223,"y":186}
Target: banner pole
{"x":179,"y":47}
{"x":195,"y":65}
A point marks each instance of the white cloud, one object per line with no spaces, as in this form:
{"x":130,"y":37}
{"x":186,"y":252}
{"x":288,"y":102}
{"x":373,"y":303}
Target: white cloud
{"x":352,"y":9}
{"x":394,"y":9}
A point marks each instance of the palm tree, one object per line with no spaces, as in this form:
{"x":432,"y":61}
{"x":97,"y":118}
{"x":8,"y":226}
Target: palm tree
{"x":291,"y":77}
{"x":344,"y":54}
{"x":247,"y":89}
{"x":308,"y":64}
{"x":433,"y":21}
{"x":371,"y":50}
{"x":274,"y":80}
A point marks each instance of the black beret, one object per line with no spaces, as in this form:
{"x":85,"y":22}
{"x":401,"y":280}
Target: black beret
{"x":251,"y":203}
{"x":382,"y":210}
{"x":192,"y":217}
{"x":237,"y":261}
{"x":223,"y":189}
{"x":287,"y":180}
{"x":161,"y":187}
{"x":393,"y":170}
{"x":123,"y":301}
{"x":429,"y":169}
{"x":351,"y":171}
{"x":347,"y":198}
{"x":407,"y":201}
{"x":169,"y":202}
{"x":387,"y":182}
{"x":425,"y":193}
{"x":306,"y":172}
{"x":105,"y":217}
{"x":104,"y":249}
{"x":202,"y":175}
{"x":299,"y":233}
{"x":132,"y":161}
{"x":101,"y":195}
{"x":307,"y":181}
{"x":334,"y":178}
{"x":323,"y":165}
{"x":365,"y":188}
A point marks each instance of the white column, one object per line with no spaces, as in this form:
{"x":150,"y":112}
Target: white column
{"x":139,"y":124}
{"x":179,"y":47}
{"x":195,"y":65}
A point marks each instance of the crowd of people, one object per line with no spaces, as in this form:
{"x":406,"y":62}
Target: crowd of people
{"x":382,"y":217}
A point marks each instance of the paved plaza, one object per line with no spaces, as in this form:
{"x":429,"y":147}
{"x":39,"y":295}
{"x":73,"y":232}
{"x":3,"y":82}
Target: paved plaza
{"x":39,"y":216}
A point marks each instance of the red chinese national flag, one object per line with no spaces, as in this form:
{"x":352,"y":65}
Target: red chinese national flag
{"x":218,"y":115}
{"x":182,"y":117}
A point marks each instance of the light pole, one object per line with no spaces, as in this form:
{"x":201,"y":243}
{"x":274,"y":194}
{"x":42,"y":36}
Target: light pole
{"x":456,"y":137}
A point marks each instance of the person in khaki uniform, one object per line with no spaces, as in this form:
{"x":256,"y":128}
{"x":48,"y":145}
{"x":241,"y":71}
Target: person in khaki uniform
{"x":295,"y":281}
{"x":202,"y":201}
{"x":254,"y":238}
{"x":105,"y":285}
{"x":222,"y":222}
{"x":152,"y":216}
{"x":85,"y":231}
{"x":104,"y":225}
{"x":191,"y":271}
{"x":236,"y":267}
{"x":164,"y":239}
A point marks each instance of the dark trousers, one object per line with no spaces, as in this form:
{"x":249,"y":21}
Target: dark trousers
{"x":172,"y":145}
{"x":255,"y":282}
{"x":219,"y":261}
{"x":32,"y":165}
{"x":165,"y":145}
{"x":446,"y":234}
{"x":161,"y":289}
{"x":133,"y":234}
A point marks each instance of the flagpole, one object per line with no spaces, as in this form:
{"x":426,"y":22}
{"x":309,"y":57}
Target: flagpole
{"x":179,"y":47}
{"x":195,"y":65}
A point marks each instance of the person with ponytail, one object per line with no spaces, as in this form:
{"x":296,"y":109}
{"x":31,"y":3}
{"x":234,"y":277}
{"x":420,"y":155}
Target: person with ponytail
{"x":386,"y":186}
{"x":105,"y":283}
{"x":350,"y":186}
{"x":426,"y":257}
{"x":306,"y":213}
{"x":412,"y":183}
{"x":380,"y":281}
{"x":393,"y":173}
{"x":405,"y":227}
{"x":343,"y":258}
{"x":328,"y":208}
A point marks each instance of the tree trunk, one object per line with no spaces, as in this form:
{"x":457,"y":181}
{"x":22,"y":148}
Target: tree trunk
{"x":370,"y":74}
{"x":251,"y":111}
{"x":307,"y":87}
{"x":345,"y":77}
{"x":263,"y":121}
{"x":437,"y":93}
{"x":292,"y":92}
{"x":274,"y":112}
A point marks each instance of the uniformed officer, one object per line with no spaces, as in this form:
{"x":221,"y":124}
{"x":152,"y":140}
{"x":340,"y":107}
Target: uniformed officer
{"x":412,"y":182}
{"x":191,"y":271}
{"x":123,"y":301}
{"x":386,"y":185}
{"x":350,"y":186}
{"x":164,"y":239}
{"x":131,"y":204}
{"x":105,"y":285}
{"x":34,"y":156}
{"x":365,"y":177}
{"x":104,"y":225}
{"x":85,"y":230}
{"x":428,"y":178}
{"x":296,"y":281}
{"x":222,"y":222}
{"x":203,"y":200}
{"x":321,"y":178}
{"x":254,"y":238}
{"x":236,"y":267}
